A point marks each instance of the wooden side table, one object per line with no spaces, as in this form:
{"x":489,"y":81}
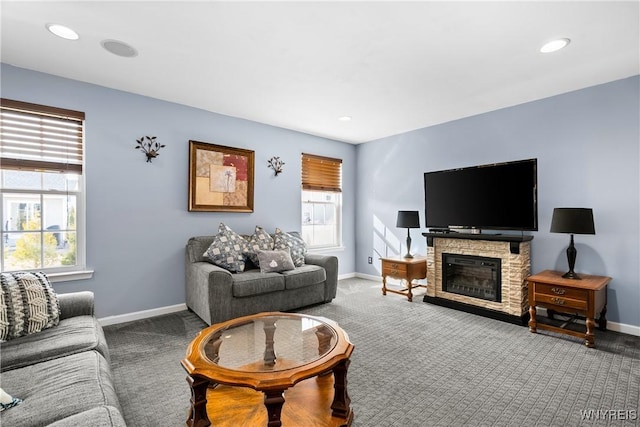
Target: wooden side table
{"x":405,"y":269}
{"x":583,"y":297}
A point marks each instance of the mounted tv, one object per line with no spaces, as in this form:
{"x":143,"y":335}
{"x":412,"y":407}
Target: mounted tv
{"x":499,"y":196}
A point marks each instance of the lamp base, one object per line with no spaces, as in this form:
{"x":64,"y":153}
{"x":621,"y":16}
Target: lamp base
{"x":408,"y":256}
{"x":571,"y":275}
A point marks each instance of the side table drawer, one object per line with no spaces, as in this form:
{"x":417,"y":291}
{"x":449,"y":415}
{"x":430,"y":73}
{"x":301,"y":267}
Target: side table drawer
{"x":394,"y":270}
{"x":561,"y":291}
{"x":561,"y":302}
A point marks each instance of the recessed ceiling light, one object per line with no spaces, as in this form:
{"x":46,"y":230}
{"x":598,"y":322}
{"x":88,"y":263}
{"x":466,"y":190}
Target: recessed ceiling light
{"x":554,"y":45}
{"x":62,"y":31}
{"x":345,"y":118}
{"x":119,"y":48}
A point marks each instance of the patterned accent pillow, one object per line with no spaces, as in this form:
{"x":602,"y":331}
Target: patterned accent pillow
{"x":284,"y":240}
{"x":28,"y":304}
{"x":259,"y":241}
{"x":227,"y":250}
{"x":275,"y":261}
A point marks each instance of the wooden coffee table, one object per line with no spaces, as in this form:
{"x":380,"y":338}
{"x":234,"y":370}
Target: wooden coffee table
{"x":270,"y":353}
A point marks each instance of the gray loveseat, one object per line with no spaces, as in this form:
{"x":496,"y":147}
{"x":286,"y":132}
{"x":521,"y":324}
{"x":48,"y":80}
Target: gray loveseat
{"x":62,"y":374}
{"x":216,"y":295}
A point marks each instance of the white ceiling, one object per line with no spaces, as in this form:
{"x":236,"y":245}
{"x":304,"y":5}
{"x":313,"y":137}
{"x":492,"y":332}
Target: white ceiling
{"x":393,"y":66}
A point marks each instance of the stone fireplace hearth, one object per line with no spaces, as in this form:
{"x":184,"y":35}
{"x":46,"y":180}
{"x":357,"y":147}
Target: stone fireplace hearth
{"x":514,"y":256}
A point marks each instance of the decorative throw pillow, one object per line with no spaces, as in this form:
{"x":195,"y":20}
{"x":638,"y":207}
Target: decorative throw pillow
{"x":6,"y":401}
{"x":259,"y":241}
{"x":284,"y":240}
{"x":275,"y":261}
{"x":28,"y":304}
{"x":227,"y":250}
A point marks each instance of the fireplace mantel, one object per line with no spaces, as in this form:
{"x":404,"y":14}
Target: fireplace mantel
{"x":514,"y":251}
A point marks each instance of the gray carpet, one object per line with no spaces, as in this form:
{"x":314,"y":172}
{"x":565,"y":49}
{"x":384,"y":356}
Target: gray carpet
{"x":414,"y":364}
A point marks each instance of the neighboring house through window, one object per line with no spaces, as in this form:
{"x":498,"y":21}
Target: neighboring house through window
{"x":321,"y":201}
{"x":42,"y":188}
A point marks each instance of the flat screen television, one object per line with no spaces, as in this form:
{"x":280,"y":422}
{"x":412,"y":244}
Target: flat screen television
{"x":499,"y":196}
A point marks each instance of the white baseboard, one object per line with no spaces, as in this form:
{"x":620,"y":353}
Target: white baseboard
{"x":138,"y":315}
{"x":346,"y":276}
{"x":369,"y":277}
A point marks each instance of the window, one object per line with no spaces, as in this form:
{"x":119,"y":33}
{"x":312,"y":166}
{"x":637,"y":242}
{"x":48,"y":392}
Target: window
{"x":41,"y":185}
{"x":321,"y":201}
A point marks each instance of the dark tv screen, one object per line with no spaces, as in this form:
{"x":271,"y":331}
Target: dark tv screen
{"x":501,"y":196}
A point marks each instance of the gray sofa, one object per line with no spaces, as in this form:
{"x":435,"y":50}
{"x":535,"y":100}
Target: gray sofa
{"x":216,"y":295}
{"x":62,"y":374}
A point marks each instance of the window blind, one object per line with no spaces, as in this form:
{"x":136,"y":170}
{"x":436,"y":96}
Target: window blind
{"x":321,"y":173}
{"x":38,"y":137}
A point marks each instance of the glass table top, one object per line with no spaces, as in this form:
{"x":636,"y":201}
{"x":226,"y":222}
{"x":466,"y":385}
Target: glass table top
{"x":269,"y":343}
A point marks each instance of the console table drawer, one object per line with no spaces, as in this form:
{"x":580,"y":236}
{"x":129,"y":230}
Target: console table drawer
{"x":561,"y":302}
{"x":560,"y":291}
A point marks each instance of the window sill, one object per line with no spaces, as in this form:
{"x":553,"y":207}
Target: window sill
{"x":68,"y":276}
{"x":326,"y":250}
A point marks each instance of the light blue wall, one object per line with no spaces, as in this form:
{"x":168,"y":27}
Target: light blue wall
{"x":137,"y":218}
{"x":587,"y":146}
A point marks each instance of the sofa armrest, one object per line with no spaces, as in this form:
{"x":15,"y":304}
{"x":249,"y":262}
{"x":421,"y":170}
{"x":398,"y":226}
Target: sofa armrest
{"x":330,"y":265}
{"x":208,"y":290}
{"x":76,"y":304}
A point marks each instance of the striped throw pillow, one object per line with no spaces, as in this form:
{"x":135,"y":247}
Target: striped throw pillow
{"x":28,"y":304}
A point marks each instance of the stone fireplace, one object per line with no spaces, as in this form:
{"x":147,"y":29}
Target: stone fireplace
{"x":480,"y":273}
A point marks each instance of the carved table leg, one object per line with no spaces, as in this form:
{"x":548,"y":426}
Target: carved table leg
{"x":341,"y":406}
{"x":198,"y":411}
{"x":409,"y":293}
{"x":532,"y":319}
{"x":590,"y":340}
{"x":274,"y":400}
{"x":269,"y":332}
{"x":324,"y":335}
{"x":602,"y":320}
{"x":384,"y":285}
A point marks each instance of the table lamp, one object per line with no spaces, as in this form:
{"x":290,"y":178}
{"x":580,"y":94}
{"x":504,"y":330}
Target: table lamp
{"x":408,"y":219}
{"x":572,"y":221}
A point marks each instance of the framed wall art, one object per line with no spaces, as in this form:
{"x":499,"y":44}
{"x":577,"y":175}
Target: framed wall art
{"x":220,"y":178}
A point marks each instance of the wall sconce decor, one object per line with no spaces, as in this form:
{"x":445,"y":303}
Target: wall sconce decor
{"x":276,"y":164}
{"x":149,"y":146}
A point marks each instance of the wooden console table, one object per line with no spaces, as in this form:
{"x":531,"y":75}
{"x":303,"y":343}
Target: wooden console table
{"x":405,"y":269}
{"x":583,"y":297}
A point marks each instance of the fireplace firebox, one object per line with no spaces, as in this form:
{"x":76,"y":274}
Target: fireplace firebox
{"x":472,"y":276}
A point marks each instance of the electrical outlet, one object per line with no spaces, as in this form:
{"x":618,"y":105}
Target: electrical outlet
{"x":370,"y":260}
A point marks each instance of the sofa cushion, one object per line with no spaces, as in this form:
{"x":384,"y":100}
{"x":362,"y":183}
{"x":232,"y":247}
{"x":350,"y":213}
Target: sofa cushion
{"x":293,"y":241}
{"x":301,"y":277}
{"x":227,"y":250}
{"x":260,"y":240}
{"x":28,"y":304}
{"x":254,"y":282}
{"x":59,"y":388}
{"x":275,"y":261}
{"x":72,"y":335}
{"x":101,"y":416}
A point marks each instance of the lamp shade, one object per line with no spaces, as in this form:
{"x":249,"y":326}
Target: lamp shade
{"x":573,"y":221}
{"x":408,"y":219}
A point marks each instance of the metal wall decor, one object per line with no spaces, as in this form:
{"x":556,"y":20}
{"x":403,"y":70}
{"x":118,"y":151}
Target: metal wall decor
{"x":276,"y":164}
{"x":220,"y":178}
{"x":149,"y":146}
